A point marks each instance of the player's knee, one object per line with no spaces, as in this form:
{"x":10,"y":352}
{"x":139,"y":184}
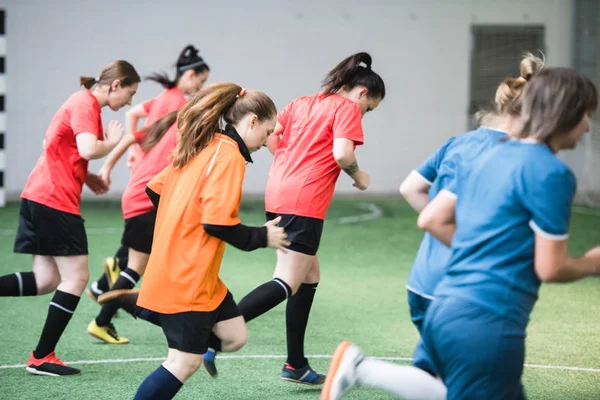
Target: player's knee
{"x":46,"y":283}
{"x":239,"y":341}
{"x":77,"y":281}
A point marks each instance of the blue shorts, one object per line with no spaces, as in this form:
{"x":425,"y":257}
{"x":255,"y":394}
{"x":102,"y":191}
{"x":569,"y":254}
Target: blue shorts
{"x":418,"y":306}
{"x":478,"y":354}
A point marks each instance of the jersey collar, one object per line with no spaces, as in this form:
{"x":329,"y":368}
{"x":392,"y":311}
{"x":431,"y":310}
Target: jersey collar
{"x":232,"y":133}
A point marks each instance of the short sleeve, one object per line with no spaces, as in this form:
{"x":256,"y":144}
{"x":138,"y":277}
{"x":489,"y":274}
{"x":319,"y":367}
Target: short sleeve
{"x":549,"y":199}
{"x":222,"y":192}
{"x":284,"y":115}
{"x":430,"y":167}
{"x":157,"y":183}
{"x":86,"y":118}
{"x":347,"y":123}
{"x":147,"y":105}
{"x":139,"y":136}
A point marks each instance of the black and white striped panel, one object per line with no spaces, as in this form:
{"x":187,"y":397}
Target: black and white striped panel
{"x":2,"y":107}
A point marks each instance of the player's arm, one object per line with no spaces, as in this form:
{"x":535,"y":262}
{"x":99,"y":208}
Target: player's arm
{"x":114,"y":156}
{"x":343,"y":153}
{"x":553,"y":264}
{"x":415,"y":190}
{"x":133,"y":116}
{"x":439,"y":218}
{"x":221,"y":201}
{"x":549,"y":198}
{"x":90,"y":148}
{"x":240,"y":236}
{"x":132,"y":119}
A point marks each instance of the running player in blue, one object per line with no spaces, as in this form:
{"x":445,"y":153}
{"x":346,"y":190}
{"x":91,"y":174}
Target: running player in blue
{"x":422,"y":185}
{"x":508,"y":227}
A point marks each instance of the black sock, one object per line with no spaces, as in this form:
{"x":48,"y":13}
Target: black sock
{"x":159,"y":385}
{"x":60,"y":311}
{"x":102,"y":283}
{"x":263,"y":298}
{"x":18,"y":284}
{"x":256,"y":303}
{"x":127,"y":280}
{"x":296,"y":319}
{"x":123,"y":256}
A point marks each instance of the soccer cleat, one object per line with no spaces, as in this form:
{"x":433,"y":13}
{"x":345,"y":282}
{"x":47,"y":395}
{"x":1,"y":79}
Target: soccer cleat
{"x":116,"y":294}
{"x":305,"y":376}
{"x":93,"y":291}
{"x":107,"y":334}
{"x":209,"y":362}
{"x":112,"y":269}
{"x":49,"y":366}
{"x":341,"y":376}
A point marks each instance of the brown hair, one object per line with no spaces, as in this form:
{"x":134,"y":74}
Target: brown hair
{"x":351,"y":73}
{"x":554,"y":102}
{"x":198,"y":120}
{"x":509,"y":93}
{"x":117,"y":70}
{"x":156,"y":131}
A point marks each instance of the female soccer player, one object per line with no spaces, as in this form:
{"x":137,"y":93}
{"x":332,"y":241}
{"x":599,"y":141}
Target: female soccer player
{"x":157,"y":142}
{"x":435,"y":175}
{"x":508,"y":227}
{"x":191,"y":73}
{"x":440,"y":171}
{"x":314,"y":140}
{"x":198,"y":199}
{"x":50,"y":223}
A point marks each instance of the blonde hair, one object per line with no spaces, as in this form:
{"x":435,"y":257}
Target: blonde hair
{"x":508,"y":100}
{"x":198,"y":120}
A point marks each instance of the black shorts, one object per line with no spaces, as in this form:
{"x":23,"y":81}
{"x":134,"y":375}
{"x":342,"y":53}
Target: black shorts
{"x":45,"y":231}
{"x":139,"y":231}
{"x":189,"y":331}
{"x":303,"y":232}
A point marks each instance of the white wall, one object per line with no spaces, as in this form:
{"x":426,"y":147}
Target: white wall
{"x":421,"y":48}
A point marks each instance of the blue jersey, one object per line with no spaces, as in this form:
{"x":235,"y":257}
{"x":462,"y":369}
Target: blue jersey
{"x":514,"y":191}
{"x":441,"y":171}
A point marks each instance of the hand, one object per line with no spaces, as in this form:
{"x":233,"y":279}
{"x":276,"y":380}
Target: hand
{"x":276,"y":236}
{"x":104,"y":174}
{"x":594,"y":255}
{"x":114,"y":132}
{"x":96,"y":184}
{"x":361,"y":180}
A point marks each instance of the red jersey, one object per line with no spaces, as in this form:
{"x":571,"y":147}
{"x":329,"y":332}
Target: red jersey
{"x":167,"y":101}
{"x":60,"y":172}
{"x":304,"y":173}
{"x":135,"y":201}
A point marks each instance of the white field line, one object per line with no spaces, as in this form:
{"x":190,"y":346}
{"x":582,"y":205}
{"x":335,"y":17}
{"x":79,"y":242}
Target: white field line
{"x":277,"y":357}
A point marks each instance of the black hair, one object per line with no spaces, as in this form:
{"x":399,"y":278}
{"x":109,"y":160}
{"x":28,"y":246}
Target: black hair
{"x":355,"y":71}
{"x":188,"y":59}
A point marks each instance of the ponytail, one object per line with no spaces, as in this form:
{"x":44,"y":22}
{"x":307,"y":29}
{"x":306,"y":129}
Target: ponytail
{"x":198,"y":121}
{"x":188,"y":60}
{"x":354,"y":71}
{"x":117,"y":70}
{"x":156,"y":131}
{"x":87,"y":82}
